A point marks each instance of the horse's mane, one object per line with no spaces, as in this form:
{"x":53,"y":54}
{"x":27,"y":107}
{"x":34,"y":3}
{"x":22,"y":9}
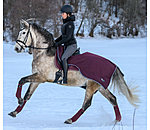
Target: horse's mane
{"x":48,"y":37}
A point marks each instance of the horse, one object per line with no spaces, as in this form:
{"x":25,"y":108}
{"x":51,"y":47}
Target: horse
{"x":41,"y":42}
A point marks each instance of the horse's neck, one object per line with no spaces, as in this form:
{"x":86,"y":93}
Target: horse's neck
{"x":38,"y":40}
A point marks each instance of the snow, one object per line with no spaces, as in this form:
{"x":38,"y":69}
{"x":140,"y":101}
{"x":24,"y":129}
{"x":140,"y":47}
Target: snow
{"x":52,"y":104}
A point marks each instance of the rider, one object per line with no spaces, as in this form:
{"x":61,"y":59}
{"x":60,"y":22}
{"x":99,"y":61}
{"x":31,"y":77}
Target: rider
{"x":67,"y":38}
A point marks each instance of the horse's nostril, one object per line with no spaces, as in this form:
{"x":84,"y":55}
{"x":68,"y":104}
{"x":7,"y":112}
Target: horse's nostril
{"x":16,"y":49}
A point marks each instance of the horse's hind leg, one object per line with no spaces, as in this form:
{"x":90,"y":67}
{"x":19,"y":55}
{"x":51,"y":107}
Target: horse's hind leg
{"x":27,"y":96}
{"x":90,"y":90}
{"x":112,"y":99}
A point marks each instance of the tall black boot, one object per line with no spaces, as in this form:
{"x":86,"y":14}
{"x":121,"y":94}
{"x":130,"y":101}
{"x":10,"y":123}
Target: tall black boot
{"x":65,"y":71}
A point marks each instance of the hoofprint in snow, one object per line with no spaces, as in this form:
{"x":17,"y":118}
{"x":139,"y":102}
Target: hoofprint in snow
{"x":60,"y":102}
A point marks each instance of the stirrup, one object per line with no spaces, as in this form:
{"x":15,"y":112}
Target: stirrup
{"x":62,"y":82}
{"x":65,"y":81}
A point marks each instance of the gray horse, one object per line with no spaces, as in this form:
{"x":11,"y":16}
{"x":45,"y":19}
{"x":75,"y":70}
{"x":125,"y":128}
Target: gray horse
{"x":41,"y":43}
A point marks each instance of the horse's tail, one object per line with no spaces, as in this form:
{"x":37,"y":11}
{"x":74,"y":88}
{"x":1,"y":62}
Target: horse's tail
{"x":128,"y":91}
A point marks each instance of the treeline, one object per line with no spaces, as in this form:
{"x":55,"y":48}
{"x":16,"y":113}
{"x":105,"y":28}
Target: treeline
{"x":111,"y":18}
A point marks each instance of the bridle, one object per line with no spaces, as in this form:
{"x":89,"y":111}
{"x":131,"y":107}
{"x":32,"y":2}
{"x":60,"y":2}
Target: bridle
{"x":25,"y":40}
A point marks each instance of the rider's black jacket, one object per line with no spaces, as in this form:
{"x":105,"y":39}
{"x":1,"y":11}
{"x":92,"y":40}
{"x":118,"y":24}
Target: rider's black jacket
{"x":67,"y":30}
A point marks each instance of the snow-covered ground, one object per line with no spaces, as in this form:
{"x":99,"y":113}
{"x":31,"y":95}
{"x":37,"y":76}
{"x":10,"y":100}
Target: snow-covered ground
{"x":59,"y":103}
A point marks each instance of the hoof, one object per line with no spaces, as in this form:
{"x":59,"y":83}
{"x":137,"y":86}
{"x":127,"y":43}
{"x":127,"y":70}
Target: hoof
{"x":13,"y":114}
{"x":118,"y":120}
{"x":69,"y":121}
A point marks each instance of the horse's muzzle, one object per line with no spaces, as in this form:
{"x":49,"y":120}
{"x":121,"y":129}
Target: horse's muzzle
{"x":17,"y":49}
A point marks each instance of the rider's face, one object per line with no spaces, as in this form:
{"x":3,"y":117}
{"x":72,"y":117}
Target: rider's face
{"x":64,"y":15}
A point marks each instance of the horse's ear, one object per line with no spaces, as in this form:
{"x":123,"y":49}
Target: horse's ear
{"x":24,"y":24}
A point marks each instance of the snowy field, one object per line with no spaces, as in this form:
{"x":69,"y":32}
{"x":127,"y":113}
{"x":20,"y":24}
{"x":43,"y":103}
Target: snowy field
{"x":59,"y":103}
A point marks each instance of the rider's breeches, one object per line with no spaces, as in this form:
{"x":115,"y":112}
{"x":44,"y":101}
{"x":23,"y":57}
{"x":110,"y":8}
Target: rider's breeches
{"x":69,"y":51}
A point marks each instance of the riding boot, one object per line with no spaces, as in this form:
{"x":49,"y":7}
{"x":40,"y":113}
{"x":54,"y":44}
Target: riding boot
{"x":65,"y":70}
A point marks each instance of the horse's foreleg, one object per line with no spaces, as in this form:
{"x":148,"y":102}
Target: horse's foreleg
{"x":31,"y":78}
{"x":27,"y":96}
{"x":112,"y":99}
{"x":90,"y":90}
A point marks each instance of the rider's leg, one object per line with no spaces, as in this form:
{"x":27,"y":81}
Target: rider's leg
{"x":65,"y":70}
{"x":68,"y":52}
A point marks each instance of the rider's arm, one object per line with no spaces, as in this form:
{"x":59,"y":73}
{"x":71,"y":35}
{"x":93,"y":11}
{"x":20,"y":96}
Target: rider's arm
{"x":58,"y":39}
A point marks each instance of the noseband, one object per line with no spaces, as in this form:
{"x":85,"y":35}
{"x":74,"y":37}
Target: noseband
{"x":25,"y":40}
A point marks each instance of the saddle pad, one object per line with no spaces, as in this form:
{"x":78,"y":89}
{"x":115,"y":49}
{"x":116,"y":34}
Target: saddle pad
{"x":91,"y":66}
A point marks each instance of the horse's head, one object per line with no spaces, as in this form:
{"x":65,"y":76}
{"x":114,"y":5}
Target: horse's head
{"x":24,"y":38}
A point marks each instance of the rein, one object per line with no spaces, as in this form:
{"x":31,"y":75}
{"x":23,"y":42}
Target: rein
{"x":25,"y":40}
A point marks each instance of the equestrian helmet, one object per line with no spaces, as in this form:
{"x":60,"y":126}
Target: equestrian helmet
{"x":66,"y":9}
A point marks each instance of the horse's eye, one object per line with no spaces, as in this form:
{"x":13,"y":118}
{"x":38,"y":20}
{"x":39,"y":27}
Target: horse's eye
{"x":23,"y":32}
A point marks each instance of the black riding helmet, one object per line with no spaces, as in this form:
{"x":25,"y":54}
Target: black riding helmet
{"x":66,"y":9}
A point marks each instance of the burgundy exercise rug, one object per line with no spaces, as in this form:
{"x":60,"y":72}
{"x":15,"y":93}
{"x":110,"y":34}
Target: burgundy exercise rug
{"x":91,"y":66}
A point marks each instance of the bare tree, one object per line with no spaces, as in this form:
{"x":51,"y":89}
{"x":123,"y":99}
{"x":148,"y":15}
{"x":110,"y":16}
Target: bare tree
{"x":75,"y":4}
{"x":132,"y":15}
{"x":83,"y":17}
{"x":14,"y":10}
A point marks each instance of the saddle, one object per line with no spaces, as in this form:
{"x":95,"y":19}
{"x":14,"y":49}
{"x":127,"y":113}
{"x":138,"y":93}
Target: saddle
{"x":58,"y":74}
{"x":77,"y":52}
